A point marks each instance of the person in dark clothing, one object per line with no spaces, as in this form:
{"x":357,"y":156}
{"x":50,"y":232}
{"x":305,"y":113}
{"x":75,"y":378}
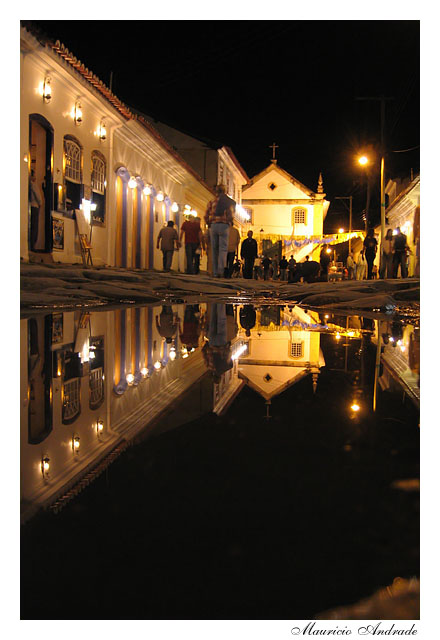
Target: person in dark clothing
{"x":248,"y":252}
{"x":248,"y":318}
{"x":291,"y":266}
{"x":266,"y":262}
{"x":370,"y":246}
{"x":324,"y":261}
{"x":283,"y":268}
{"x":399,"y":255}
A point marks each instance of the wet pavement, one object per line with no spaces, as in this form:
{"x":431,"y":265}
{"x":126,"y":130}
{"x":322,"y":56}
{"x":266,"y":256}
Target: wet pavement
{"x":267,"y":468}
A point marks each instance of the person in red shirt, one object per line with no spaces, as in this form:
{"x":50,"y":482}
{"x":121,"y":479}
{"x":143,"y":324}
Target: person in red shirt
{"x":193,"y":240}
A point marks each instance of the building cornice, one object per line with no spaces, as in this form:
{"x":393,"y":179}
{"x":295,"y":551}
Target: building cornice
{"x":60,"y":50}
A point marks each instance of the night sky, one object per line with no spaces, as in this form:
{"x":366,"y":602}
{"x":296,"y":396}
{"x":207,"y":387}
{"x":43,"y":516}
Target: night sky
{"x":249,"y":84}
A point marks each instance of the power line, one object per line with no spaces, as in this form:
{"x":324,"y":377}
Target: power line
{"x":405,"y":150}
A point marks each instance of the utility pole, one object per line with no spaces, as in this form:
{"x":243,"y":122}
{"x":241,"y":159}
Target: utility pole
{"x":382,"y":100}
{"x":350,"y":218}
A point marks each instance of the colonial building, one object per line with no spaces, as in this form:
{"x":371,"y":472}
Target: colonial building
{"x":281,"y":209}
{"x":93,"y":170}
{"x":214,"y":162}
{"x":403,"y":211}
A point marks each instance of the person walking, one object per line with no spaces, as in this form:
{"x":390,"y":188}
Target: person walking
{"x":169,"y":323}
{"x":248,"y":252}
{"x":233,"y":243}
{"x":266,"y":262}
{"x":291,"y":266}
{"x":361,"y":266}
{"x":168,"y":238}
{"x":283,"y":268}
{"x":350,"y":266}
{"x":193,"y":240}
{"x":248,"y":318}
{"x":190,"y":334}
{"x":218,"y":217}
{"x":324,"y":261}
{"x":370,"y":246}
{"x":399,"y":255}
{"x":387,"y":256}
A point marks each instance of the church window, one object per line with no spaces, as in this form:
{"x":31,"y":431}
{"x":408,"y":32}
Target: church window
{"x":296,"y":349}
{"x":272,"y":186}
{"x":299,"y":216}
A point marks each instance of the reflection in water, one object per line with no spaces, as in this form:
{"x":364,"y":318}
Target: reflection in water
{"x":93,"y":380}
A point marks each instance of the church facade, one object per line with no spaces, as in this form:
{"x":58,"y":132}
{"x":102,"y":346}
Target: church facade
{"x":282,"y":209}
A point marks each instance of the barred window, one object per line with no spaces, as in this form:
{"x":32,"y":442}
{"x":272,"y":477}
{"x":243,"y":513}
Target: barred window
{"x":72,"y":155}
{"x":299,"y":216}
{"x":98,"y":174}
{"x":96,"y":387}
{"x":71,"y":399}
{"x":296,"y":349}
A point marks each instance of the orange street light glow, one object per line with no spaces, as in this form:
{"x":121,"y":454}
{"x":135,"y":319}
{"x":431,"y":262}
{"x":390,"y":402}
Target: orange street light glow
{"x":363,"y":160}
{"x":355,"y":407}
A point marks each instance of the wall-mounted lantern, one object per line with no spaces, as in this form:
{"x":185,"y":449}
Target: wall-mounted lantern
{"x":45,"y":466}
{"x":46,"y":89}
{"x":76,"y":113}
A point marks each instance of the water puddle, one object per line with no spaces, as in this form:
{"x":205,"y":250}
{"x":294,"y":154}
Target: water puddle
{"x":217,"y":460}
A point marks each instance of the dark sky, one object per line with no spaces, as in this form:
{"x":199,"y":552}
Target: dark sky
{"x":250,"y":83}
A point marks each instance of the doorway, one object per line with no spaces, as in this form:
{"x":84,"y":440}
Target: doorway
{"x":40,"y":184}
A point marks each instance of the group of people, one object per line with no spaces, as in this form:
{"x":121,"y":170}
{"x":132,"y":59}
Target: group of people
{"x":222,"y":239}
{"x":395,"y":254}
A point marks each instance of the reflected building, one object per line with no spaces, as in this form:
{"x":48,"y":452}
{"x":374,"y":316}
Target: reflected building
{"x":400,"y":358}
{"x":282,"y":347}
{"x":91,"y":381}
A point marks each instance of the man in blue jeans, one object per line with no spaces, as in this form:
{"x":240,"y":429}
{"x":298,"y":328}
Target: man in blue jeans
{"x":193,"y":238}
{"x":219,"y":218}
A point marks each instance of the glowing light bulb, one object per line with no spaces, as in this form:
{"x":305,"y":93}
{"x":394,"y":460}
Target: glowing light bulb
{"x":355,"y":407}
{"x":157,"y":365}
{"x":175,"y":207}
{"x":130,"y":378}
{"x":160,"y":196}
{"x":147,"y":190}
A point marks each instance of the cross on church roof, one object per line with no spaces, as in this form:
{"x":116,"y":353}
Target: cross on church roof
{"x":273,"y":146}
